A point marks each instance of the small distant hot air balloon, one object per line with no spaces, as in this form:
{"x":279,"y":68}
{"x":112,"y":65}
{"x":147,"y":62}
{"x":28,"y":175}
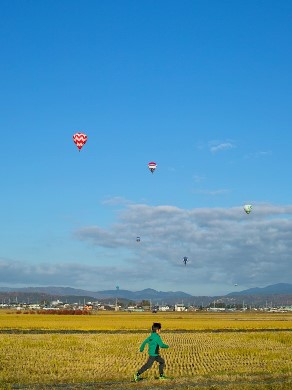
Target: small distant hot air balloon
{"x":247,"y":208}
{"x":185,"y":260}
{"x":152,"y":166}
{"x":79,"y":139}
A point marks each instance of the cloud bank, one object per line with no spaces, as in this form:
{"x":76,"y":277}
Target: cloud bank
{"x":224,"y":246}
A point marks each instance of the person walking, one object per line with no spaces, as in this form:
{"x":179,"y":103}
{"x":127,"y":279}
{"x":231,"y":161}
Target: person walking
{"x":154,"y":342}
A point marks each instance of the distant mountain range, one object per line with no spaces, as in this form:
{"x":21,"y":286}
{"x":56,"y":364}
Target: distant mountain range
{"x":145,"y":294}
{"x":280,"y":290}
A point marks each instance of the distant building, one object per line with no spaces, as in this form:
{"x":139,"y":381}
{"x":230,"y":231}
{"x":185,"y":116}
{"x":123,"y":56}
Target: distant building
{"x":164,"y":308}
{"x":56,"y":303}
{"x":179,"y":307}
{"x":216,"y":309}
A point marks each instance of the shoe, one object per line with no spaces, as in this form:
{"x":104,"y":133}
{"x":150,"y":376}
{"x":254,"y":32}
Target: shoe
{"x":162,"y":377}
{"x":136,"y":377}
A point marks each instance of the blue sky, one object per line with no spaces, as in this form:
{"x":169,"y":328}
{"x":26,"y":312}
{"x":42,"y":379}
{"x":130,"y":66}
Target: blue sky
{"x":203,"y":88}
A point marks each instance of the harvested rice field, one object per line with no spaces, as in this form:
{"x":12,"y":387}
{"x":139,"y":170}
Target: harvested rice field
{"x":252,"y":351}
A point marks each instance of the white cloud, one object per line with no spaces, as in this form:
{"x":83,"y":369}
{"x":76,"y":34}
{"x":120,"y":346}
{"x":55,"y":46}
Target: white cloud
{"x":224,"y":246}
{"x":81,"y":275}
{"x":258,"y":154}
{"x":218,"y":147}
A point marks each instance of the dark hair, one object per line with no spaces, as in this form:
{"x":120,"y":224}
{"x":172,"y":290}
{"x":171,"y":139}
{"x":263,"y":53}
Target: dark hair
{"x":156,"y":326}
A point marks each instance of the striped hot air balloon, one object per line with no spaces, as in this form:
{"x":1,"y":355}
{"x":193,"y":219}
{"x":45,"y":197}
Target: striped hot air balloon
{"x":152,"y":166}
{"x":79,"y":139}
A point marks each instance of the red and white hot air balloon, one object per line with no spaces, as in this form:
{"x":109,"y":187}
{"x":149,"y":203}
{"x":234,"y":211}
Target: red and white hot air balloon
{"x":79,"y":139}
{"x":152,"y":166}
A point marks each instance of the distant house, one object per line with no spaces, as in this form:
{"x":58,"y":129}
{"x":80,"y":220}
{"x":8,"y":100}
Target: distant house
{"x":179,"y":307}
{"x":34,"y":306}
{"x":109,"y":307}
{"x":164,"y":308}
{"x":216,"y":309}
{"x":193,"y":308}
{"x":135,"y":308}
{"x":57,"y":303}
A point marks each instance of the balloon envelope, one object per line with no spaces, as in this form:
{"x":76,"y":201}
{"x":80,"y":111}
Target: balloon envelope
{"x":247,"y":208}
{"x":185,"y":259}
{"x":80,"y":139}
{"x":152,"y":166}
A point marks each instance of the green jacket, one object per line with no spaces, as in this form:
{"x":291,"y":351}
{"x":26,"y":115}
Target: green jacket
{"x":154,"y":342}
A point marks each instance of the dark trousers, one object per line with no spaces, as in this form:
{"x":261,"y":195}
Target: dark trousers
{"x":149,"y":363}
